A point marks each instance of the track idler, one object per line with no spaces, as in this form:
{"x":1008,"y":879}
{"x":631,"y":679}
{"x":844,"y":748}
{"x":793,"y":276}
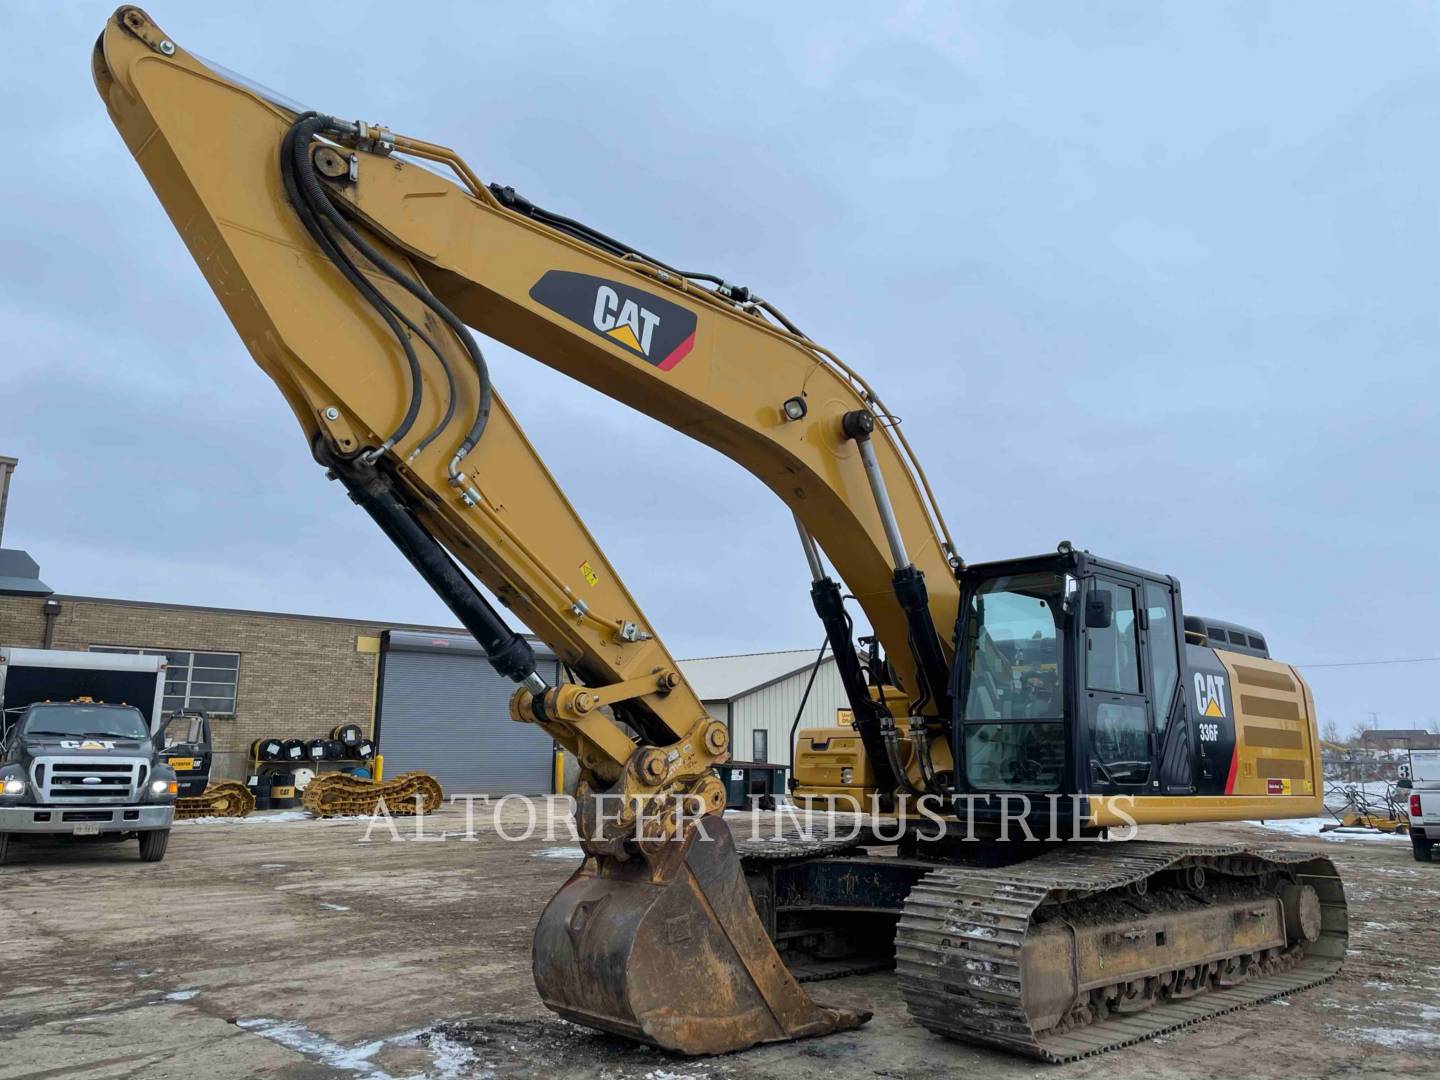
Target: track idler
{"x":670,"y":951}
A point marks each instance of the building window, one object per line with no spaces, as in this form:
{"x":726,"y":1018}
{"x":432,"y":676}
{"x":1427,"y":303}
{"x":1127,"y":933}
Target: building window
{"x":759,"y":748}
{"x":193,"y":680}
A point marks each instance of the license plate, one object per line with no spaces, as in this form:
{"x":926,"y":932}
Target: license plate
{"x":90,"y":829}
{"x":182,"y":764}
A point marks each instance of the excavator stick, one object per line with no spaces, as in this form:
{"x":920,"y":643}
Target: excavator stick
{"x":679,"y":959}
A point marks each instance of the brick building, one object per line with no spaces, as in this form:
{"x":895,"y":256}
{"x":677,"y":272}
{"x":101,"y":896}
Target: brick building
{"x":424,"y":693}
{"x":257,"y":673}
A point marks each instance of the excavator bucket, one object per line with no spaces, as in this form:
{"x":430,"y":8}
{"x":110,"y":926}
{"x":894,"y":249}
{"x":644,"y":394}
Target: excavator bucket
{"x":682,"y":963}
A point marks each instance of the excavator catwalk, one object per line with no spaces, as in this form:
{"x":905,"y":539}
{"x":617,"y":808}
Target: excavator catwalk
{"x":353,"y":262}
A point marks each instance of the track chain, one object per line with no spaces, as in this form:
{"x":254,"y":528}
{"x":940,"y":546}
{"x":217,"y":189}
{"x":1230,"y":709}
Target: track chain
{"x":343,"y":795}
{"x":225,"y":798}
{"x":959,"y":944}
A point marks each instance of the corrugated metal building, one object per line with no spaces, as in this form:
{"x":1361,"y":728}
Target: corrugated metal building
{"x":442,"y":709}
{"x":757,"y":695}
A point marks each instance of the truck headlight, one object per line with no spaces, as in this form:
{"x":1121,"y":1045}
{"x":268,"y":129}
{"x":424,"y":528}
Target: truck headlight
{"x":160,"y":787}
{"x":13,"y":786}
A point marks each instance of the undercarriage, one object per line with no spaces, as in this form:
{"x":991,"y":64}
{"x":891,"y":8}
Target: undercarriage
{"x":1073,"y":951}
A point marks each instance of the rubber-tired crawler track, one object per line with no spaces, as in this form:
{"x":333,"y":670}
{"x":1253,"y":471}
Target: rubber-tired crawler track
{"x":981,"y":954}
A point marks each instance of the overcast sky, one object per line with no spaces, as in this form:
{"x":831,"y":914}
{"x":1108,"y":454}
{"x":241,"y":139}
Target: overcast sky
{"x":1157,"y":278}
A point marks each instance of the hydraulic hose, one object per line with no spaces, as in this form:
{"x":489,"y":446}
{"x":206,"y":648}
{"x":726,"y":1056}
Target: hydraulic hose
{"x":804,"y":700}
{"x":314,"y":193}
{"x":306,"y":212}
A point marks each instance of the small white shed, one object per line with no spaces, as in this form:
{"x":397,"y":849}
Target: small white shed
{"x":757,"y":695}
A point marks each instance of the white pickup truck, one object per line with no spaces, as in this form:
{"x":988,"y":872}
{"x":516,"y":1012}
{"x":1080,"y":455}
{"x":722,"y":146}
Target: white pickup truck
{"x":1424,"y":802}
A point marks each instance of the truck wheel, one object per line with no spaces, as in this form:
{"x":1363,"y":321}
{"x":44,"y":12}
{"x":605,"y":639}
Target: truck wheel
{"x":1422,"y":847}
{"x":4,"y":846}
{"x":153,"y":844}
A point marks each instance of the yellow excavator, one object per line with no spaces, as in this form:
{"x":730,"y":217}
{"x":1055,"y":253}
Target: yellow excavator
{"x":1062,"y":696}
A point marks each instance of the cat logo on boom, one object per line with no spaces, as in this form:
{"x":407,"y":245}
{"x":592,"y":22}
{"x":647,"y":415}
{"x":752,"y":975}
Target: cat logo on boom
{"x":627,"y":322}
{"x":651,"y":327}
{"x":1210,"y":694}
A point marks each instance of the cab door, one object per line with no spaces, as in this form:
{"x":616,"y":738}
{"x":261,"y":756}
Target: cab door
{"x":184,"y":743}
{"x":1117,"y":735}
{"x":1162,"y":633}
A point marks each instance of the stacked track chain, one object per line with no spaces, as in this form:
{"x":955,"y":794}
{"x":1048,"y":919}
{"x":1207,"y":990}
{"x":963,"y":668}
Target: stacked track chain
{"x":227,"y":798}
{"x":960,"y":942}
{"x":342,"y":795}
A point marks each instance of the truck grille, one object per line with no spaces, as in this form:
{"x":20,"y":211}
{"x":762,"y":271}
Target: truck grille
{"x":73,"y":780}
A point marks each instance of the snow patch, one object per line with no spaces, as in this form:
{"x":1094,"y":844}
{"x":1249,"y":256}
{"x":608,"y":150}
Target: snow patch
{"x":264,"y":817}
{"x":1397,"y":1037}
{"x":181,"y":995}
{"x":452,"y":1060}
{"x":1310,"y":829}
{"x":334,"y":907}
{"x":567,"y":853}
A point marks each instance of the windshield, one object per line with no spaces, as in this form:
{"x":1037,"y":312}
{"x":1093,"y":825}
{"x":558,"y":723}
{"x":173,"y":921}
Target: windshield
{"x":79,"y":721}
{"x":1014,"y":641}
{"x":1014,"y":648}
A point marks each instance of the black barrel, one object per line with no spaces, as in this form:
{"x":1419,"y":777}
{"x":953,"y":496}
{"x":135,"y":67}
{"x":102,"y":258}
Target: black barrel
{"x":292,"y":750}
{"x":317,"y":749}
{"x":266,"y":749}
{"x":259,"y":788}
{"x":364,"y":750}
{"x":348,"y":735}
{"x":281,"y":789}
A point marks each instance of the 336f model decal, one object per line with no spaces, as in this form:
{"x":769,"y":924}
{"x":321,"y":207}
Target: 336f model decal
{"x":643,"y":324}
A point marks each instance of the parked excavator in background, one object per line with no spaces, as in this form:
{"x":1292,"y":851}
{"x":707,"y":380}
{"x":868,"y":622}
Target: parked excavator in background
{"x":353,"y":261}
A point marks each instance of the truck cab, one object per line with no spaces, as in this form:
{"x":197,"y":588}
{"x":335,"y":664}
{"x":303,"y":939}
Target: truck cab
{"x":1424,"y":802}
{"x":85,"y":768}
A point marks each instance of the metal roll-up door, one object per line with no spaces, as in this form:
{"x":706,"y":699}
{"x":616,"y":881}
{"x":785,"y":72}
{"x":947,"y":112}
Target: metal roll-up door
{"x":444,"y":711}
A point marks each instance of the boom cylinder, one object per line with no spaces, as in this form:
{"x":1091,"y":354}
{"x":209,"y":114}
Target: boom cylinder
{"x":508,"y":653}
{"x":858,"y":425}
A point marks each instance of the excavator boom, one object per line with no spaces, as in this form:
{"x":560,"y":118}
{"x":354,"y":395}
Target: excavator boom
{"x":352,"y":262}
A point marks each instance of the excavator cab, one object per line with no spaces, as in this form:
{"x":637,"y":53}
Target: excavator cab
{"x":1067,"y":678}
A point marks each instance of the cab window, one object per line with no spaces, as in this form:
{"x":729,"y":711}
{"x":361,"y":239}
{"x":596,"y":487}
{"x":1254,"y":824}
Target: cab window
{"x":1164,"y":663}
{"x":1114,"y":653}
{"x":1014,"y":707}
{"x":1119,"y":720}
{"x":184,"y":730}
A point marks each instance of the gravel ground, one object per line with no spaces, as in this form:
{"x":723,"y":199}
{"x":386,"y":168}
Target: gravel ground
{"x":285,"y":947}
